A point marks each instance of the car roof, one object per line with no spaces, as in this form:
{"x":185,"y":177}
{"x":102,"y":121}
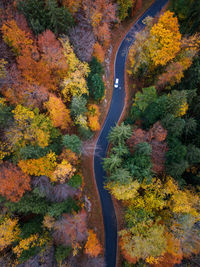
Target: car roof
{"x":117,"y":80}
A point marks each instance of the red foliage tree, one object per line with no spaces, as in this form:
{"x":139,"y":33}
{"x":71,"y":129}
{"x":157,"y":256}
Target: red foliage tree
{"x":51,"y":50}
{"x":13,"y":182}
{"x":22,"y":24}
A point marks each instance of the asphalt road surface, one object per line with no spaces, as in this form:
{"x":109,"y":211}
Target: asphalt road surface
{"x":115,"y":111}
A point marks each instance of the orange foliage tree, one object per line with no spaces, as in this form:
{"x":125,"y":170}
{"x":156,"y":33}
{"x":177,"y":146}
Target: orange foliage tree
{"x":15,"y":37}
{"x":35,"y":68}
{"x":68,"y":155}
{"x":72,"y":5}
{"x":92,"y":247}
{"x":35,"y":71}
{"x":103,"y":34}
{"x":42,"y":166}
{"x":173,"y":253}
{"x":58,"y":112}
{"x":99,"y":52}
{"x":13,"y":182}
{"x":93,"y":117}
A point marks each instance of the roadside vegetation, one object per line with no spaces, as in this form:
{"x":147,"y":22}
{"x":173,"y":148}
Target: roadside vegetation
{"x":51,"y":84}
{"x":153,"y":164}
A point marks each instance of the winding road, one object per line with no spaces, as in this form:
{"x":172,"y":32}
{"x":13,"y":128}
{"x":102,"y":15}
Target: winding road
{"x":115,"y":111}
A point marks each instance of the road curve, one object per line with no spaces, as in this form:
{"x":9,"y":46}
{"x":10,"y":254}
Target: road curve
{"x":115,"y":111}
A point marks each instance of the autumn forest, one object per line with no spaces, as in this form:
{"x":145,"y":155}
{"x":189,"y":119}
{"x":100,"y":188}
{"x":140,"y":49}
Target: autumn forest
{"x":55,"y":90}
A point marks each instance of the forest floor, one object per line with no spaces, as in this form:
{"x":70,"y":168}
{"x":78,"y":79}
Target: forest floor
{"x":95,"y":219}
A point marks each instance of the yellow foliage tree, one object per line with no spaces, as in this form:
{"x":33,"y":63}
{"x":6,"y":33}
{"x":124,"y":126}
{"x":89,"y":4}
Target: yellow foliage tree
{"x":31,"y":242}
{"x":165,"y":39}
{"x":93,"y":123}
{"x":4,"y":150}
{"x":74,"y":83}
{"x":23,"y":115}
{"x":123,"y":192}
{"x":63,"y":171}
{"x":30,"y":128}
{"x":164,"y":216}
{"x":82,"y":121}
{"x":153,"y":199}
{"x":93,"y":110}
{"x":184,"y":202}
{"x":43,"y":166}
{"x":2,"y":68}
{"x":183,"y":109}
{"x":153,"y":244}
{"x":157,"y":44}
{"x":9,"y":231}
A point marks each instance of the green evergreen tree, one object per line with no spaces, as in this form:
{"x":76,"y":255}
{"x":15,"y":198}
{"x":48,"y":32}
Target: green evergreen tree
{"x":78,"y":106}
{"x":96,"y":87}
{"x":34,"y":11}
{"x":43,"y":15}
{"x":120,"y":150}
{"x":72,"y":142}
{"x":29,"y":203}
{"x":67,"y":206}
{"x":193,"y":154}
{"x":174,"y":126}
{"x":60,"y":18}
{"x":62,"y":252}
{"x":121,"y":175}
{"x":6,"y":117}
{"x":95,"y":67}
{"x":119,"y":134}
{"x":112,"y":163}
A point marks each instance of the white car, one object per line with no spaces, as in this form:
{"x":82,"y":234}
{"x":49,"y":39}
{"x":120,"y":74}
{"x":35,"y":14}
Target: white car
{"x":116,"y":83}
